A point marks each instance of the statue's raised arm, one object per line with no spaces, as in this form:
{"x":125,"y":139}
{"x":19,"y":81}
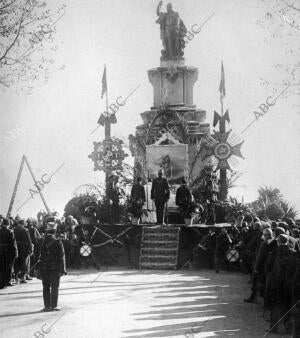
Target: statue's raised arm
{"x":158,"y":8}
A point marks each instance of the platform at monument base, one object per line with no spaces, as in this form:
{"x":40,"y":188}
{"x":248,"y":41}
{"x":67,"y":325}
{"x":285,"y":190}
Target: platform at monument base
{"x":167,"y":247}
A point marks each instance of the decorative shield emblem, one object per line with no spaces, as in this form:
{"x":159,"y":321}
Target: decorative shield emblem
{"x":85,"y":250}
{"x":232,"y":255}
{"x":108,"y":154}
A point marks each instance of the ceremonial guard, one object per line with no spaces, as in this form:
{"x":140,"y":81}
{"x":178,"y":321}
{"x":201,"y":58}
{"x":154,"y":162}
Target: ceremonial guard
{"x":8,"y":253}
{"x":138,"y":196}
{"x":138,"y":191}
{"x":183,"y":196}
{"x":25,"y":249}
{"x":160,"y":193}
{"x":51,"y":265}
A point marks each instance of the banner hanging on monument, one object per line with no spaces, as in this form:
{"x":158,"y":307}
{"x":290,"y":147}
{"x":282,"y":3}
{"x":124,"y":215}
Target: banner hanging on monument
{"x":172,"y":159}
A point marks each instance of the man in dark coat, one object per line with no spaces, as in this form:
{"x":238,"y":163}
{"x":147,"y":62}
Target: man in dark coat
{"x":8,"y":253}
{"x":223,"y":242}
{"x":35,"y":236}
{"x":138,"y":198}
{"x":252,"y":242}
{"x":52,"y":266}
{"x":24,"y":251}
{"x":259,"y":276}
{"x":160,"y":193}
{"x":138,"y":191}
{"x":278,"y":290}
{"x":295,"y":286}
{"x":183,"y":196}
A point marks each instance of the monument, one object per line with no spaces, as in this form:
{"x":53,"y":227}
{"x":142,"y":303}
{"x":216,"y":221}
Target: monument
{"x":173,"y":119}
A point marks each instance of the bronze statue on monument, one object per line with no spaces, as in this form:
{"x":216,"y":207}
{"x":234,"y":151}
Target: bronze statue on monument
{"x":172,"y":33}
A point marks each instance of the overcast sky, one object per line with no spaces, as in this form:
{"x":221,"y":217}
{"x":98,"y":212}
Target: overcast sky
{"x":59,"y":115}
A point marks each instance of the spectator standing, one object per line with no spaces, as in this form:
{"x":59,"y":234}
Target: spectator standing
{"x":8,"y":253}
{"x":52,"y":266}
{"x":24,"y":245}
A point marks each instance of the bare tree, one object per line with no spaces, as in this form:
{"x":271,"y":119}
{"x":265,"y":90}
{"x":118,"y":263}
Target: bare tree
{"x":26,"y":28}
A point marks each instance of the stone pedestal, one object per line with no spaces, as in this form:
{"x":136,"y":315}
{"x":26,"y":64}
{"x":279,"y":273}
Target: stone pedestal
{"x":173,"y":84}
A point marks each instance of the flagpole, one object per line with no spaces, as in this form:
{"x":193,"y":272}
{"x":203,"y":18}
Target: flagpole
{"x":222,"y":130}
{"x":107,"y":131}
{"x":107,"y":121}
{"x":221,"y":93}
{"x":222,"y":126}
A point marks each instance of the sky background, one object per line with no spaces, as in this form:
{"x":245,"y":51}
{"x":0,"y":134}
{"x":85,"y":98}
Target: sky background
{"x":58,"y":116}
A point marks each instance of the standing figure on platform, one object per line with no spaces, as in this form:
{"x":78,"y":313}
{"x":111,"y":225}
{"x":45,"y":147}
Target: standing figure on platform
{"x":172,"y":33}
{"x":183,"y":197}
{"x":138,"y":196}
{"x":160,"y":193}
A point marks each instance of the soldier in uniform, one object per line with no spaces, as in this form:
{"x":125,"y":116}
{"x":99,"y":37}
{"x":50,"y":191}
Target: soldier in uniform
{"x":24,"y":251}
{"x":138,"y":191}
{"x":138,"y":196}
{"x":52,"y":266}
{"x":160,"y":193}
{"x":183,"y":198}
{"x":8,"y":253}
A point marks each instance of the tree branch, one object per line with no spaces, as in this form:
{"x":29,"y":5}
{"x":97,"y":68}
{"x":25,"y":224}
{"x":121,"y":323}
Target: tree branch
{"x":14,"y":61}
{"x":7,"y":5}
{"x":13,"y":42}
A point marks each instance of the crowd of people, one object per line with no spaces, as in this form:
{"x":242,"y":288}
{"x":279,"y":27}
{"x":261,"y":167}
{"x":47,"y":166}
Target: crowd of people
{"x":269,"y":251}
{"x":26,"y":252}
{"x":21,"y":242}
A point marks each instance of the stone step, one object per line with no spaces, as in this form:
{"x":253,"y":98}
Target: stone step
{"x":161,"y":230}
{"x":158,"y":251}
{"x":159,"y":248}
{"x":158,"y":266}
{"x":159,"y":259}
{"x":159,"y":244}
{"x":166,"y":237}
